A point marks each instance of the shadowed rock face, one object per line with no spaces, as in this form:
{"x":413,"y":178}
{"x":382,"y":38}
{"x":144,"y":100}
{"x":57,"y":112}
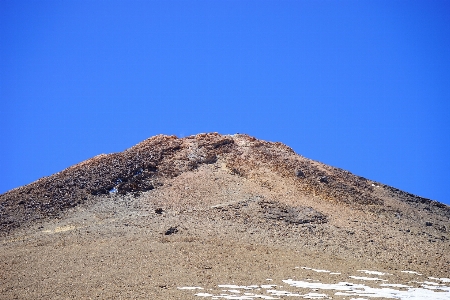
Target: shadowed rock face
{"x":145,"y":166}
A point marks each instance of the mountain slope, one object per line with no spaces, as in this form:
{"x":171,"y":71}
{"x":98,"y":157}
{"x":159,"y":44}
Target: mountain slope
{"x":208,"y":202}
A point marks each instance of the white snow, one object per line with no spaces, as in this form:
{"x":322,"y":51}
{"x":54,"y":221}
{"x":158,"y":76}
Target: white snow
{"x":321,"y":271}
{"x":367,"y":278}
{"x":434,"y":287}
{"x":395,"y":285}
{"x":373,"y":272}
{"x":428,"y":282}
{"x":232,"y":286}
{"x":282,"y":293}
{"x":268,"y":286}
{"x":350,"y":289}
{"x":440,"y":279}
{"x":316,"y":270}
{"x":438,"y":289}
{"x":315,"y":296}
{"x":412,"y":272}
{"x":204,"y":295}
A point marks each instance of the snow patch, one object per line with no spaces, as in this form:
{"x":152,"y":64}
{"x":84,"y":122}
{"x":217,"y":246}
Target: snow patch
{"x":316,"y":270}
{"x":395,"y":285}
{"x":438,"y":289}
{"x":367,"y":278}
{"x":412,"y":272}
{"x":373,"y":272}
{"x":350,"y":289}
{"x":232,"y":286}
{"x":440,"y":279}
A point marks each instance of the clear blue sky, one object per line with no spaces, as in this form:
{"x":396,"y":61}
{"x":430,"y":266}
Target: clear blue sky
{"x":360,"y":85}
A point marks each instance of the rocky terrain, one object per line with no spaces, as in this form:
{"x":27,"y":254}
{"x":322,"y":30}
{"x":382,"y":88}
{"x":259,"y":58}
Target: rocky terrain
{"x":176,"y":218}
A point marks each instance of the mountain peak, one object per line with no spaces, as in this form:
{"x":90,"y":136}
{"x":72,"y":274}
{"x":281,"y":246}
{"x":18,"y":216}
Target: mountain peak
{"x":196,"y":197}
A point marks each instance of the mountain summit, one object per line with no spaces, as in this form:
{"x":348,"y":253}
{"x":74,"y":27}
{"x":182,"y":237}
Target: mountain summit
{"x":206,"y":209}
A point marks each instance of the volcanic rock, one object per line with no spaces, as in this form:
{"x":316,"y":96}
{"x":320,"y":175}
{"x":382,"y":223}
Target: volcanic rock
{"x":247,"y":209}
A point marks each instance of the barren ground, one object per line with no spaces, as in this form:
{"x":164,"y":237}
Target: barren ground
{"x":214,"y":210}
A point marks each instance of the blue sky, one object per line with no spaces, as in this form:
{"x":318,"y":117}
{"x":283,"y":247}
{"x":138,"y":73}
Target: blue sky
{"x":360,"y":85}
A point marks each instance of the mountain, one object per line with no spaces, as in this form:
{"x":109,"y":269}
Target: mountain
{"x":170,"y":217}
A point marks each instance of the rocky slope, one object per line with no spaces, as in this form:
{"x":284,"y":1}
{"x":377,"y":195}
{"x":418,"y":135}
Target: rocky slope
{"x":171,"y":211}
